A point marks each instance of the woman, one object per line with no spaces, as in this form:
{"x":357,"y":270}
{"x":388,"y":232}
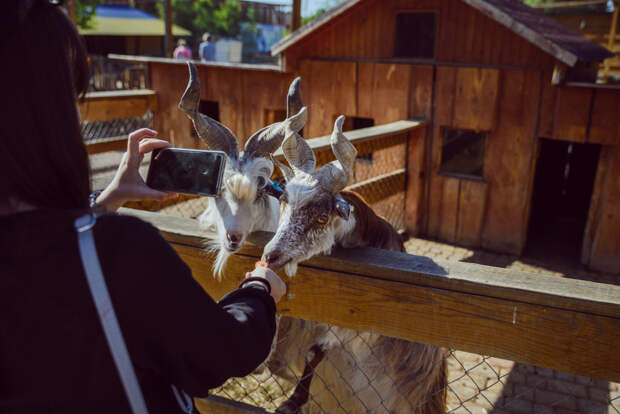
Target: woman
{"x":53,"y":354}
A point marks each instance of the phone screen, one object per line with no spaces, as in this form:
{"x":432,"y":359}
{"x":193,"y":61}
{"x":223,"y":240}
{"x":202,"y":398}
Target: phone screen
{"x":186,"y":171}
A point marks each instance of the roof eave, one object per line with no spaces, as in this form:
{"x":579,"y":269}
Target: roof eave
{"x":520,"y":29}
{"x":306,"y":29}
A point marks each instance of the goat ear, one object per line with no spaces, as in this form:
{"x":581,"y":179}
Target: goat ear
{"x":343,"y":209}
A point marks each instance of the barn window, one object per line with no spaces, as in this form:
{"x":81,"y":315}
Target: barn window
{"x":415,"y":35}
{"x":462,"y":153}
{"x":210,"y":109}
{"x":354,"y":122}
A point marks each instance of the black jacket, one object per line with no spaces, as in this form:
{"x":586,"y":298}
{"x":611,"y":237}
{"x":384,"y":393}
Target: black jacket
{"x":53,"y":354}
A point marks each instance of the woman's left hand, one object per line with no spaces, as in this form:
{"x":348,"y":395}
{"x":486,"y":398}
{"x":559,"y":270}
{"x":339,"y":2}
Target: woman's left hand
{"x":127,"y":184}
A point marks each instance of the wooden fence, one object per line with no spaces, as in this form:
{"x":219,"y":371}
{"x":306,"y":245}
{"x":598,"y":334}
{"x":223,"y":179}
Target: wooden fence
{"x":562,"y":324}
{"x":107,"y":106}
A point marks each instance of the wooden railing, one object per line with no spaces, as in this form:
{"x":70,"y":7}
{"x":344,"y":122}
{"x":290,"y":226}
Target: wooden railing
{"x":562,"y":324}
{"x":106,"y":106}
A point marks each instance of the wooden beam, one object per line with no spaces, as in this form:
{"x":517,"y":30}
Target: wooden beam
{"x":168,"y":39}
{"x":296,"y":15}
{"x":107,"y":144}
{"x":563,"y":324}
{"x":368,"y":140}
{"x":381,"y":187}
{"x":219,"y":405}
{"x":564,"y":4}
{"x":612,"y":37}
{"x":105,"y":106}
{"x":71,"y":11}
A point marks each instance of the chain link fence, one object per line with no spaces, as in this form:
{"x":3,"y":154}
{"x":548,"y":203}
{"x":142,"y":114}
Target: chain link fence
{"x":476,"y":384}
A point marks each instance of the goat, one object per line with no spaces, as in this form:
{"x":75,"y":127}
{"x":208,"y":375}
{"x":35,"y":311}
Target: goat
{"x":315,"y":217}
{"x":244,"y":205}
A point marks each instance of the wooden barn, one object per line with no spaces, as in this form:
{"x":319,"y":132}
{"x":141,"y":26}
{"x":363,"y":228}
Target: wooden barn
{"x":521,"y":151}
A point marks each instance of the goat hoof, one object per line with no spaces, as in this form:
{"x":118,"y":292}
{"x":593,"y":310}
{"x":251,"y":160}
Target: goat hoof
{"x":288,"y":407}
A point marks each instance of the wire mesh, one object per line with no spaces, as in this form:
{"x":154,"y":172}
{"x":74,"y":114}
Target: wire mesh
{"x":355,"y":377}
{"x":94,"y":131}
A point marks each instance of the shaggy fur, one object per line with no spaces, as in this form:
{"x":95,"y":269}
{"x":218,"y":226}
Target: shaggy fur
{"x":242,"y":207}
{"x":394,"y":376}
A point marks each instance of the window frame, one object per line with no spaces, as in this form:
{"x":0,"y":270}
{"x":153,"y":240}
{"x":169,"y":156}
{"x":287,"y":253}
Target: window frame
{"x":463,"y":176}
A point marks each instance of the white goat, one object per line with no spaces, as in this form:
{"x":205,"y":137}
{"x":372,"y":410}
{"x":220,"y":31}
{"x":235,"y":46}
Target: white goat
{"x":394,"y":375}
{"x":244,"y":205}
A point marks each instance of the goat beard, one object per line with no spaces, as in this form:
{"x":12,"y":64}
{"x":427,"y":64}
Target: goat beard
{"x":213,"y":245}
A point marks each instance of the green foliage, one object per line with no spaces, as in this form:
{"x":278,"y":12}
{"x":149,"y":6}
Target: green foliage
{"x":228,"y":18}
{"x":84,"y":12}
{"x":200,"y":16}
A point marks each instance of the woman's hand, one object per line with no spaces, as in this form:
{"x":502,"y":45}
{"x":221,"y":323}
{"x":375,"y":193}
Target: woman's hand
{"x":127,"y":184}
{"x":278,"y":287}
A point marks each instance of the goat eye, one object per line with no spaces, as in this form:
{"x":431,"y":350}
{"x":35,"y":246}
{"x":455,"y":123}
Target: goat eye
{"x":323,"y":219}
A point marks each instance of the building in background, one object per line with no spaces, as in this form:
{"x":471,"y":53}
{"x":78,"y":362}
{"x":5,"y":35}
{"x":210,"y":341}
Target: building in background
{"x":127,"y":30}
{"x":265,"y":24}
{"x":594,"y":19}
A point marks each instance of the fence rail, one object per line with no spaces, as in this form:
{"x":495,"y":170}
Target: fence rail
{"x":98,"y":107}
{"x":562,"y":324}
{"x":365,"y":140}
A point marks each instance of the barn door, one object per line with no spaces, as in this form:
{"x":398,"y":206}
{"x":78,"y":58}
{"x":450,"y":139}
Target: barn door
{"x":563,"y":188}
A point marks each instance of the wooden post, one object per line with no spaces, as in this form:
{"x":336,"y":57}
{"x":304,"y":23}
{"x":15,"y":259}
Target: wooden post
{"x":296,"y":15}
{"x":72,"y":11}
{"x":168,"y":28}
{"x":612,"y":38}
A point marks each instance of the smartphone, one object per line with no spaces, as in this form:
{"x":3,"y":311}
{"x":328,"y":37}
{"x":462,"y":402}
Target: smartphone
{"x":187,"y":171}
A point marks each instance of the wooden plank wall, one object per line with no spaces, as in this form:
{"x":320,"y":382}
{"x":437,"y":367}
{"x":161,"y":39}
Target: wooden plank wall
{"x":464,"y":35}
{"x":590,"y":115}
{"x":492,"y":212}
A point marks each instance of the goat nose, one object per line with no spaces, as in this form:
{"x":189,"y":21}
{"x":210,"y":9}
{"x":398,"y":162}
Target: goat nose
{"x":271,"y":257}
{"x":234,"y":237}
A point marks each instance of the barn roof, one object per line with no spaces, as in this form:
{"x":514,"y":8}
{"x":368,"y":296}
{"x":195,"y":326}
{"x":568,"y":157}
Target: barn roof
{"x":549,"y":35}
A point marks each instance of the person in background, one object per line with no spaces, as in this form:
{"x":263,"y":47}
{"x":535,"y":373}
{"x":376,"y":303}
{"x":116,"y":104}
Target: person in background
{"x":207,"y":48}
{"x":54,"y":357}
{"x":182,"y":51}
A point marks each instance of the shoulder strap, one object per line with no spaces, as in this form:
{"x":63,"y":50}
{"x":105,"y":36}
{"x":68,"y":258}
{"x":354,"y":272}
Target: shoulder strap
{"x":101,"y":296}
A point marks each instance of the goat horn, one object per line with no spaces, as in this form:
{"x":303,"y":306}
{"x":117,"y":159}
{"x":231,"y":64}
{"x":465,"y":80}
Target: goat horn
{"x":298,"y":153}
{"x":268,"y":139}
{"x":287,"y":172}
{"x":217,"y":136}
{"x":336,"y":175}
{"x":293,"y":99}
{"x":344,"y":151}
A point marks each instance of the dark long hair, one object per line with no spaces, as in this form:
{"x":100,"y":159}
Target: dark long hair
{"x":43,"y":159}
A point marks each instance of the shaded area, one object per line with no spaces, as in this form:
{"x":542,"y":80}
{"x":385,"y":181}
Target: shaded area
{"x":563,"y":187}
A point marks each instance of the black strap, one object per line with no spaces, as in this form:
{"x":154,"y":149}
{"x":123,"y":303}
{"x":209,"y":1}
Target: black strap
{"x":257,"y":279}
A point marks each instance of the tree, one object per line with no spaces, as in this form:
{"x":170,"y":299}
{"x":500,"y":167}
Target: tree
{"x":200,"y":16}
{"x":228,"y":18}
{"x":85,"y":11}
